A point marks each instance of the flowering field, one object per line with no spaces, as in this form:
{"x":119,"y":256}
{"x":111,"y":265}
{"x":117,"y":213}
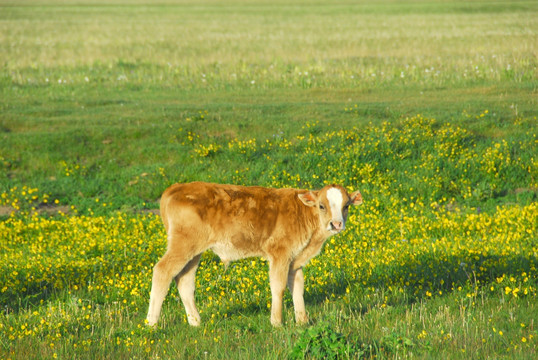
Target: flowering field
{"x":64,"y":277}
{"x":76,"y":283}
{"x":427,"y":107}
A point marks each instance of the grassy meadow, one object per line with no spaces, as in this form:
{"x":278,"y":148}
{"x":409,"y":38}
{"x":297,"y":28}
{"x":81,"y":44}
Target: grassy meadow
{"x":428,"y":107}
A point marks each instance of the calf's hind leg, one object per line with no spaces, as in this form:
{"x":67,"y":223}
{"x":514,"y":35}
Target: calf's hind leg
{"x":176,"y":260}
{"x":185,"y":281}
{"x":163,"y":273}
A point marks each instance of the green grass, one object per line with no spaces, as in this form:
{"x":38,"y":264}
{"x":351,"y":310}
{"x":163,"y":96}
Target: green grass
{"x":103,"y":104}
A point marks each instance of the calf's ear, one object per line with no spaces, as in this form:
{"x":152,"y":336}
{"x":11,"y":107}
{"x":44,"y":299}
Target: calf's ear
{"x":356,"y":198}
{"x":308,"y":198}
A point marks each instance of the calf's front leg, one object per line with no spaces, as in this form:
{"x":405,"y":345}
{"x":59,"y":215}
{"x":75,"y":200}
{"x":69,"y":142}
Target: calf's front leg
{"x":296,"y":286}
{"x":278,"y":271}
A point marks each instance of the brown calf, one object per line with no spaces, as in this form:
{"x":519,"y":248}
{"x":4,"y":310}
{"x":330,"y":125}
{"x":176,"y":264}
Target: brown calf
{"x":285,"y":226}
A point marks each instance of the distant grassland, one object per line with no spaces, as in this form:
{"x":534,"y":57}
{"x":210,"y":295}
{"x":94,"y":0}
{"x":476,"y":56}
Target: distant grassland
{"x":215,"y":44}
{"x":106,"y":85}
{"x":229,"y":34}
{"x":428,"y":107}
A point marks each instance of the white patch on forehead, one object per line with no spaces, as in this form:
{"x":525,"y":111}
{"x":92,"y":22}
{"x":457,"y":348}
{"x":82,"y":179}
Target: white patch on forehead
{"x":334,"y":195}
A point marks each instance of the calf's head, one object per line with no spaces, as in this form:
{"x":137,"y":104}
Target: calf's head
{"x":332,"y":203}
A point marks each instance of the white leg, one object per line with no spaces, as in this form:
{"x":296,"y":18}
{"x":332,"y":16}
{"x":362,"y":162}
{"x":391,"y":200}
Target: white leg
{"x":186,"y":285}
{"x":171,"y":264}
{"x":277,"y":280}
{"x":163,"y":273}
{"x":296,"y":285}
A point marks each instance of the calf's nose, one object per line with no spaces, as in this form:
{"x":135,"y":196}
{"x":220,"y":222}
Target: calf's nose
{"x":337,"y":225}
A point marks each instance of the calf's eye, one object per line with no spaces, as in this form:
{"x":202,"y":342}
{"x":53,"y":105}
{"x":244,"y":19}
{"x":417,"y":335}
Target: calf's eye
{"x":322,"y":207}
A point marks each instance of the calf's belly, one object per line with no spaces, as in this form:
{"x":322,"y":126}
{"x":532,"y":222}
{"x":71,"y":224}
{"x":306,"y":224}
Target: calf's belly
{"x":227,"y":251}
